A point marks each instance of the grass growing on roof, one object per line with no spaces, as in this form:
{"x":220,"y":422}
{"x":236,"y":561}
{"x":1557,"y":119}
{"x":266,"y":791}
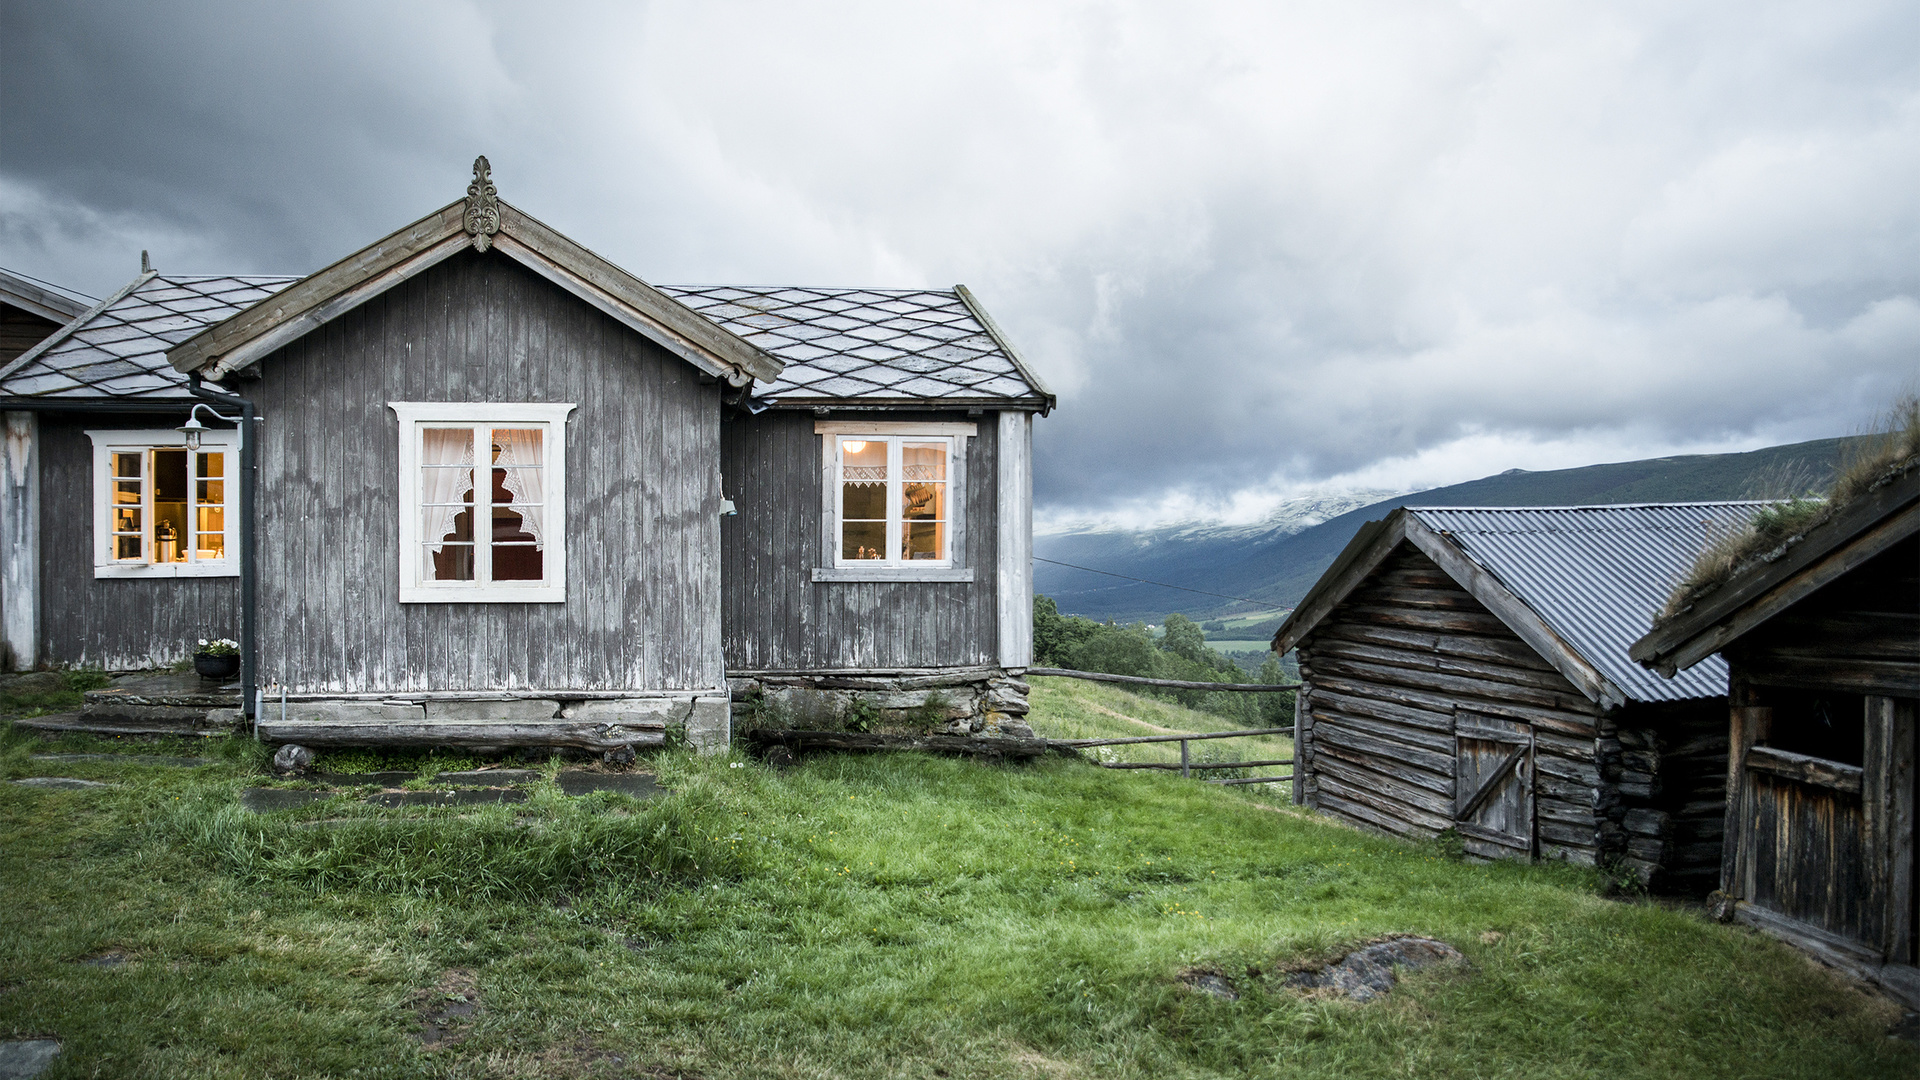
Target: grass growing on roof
{"x":1892,"y":449}
{"x":858,"y":916}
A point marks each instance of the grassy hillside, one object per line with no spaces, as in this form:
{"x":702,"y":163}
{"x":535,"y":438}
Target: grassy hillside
{"x":880,"y":916}
{"x":1277,"y":569}
{"x":1077,"y":709}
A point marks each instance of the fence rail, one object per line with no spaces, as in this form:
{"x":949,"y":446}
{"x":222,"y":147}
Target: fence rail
{"x":1187,"y":766}
{"x":1172,"y":684}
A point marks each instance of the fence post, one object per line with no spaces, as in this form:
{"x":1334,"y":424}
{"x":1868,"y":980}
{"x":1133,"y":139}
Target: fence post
{"x":1185,"y":773}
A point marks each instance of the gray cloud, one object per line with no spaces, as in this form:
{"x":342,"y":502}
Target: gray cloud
{"x":1254,"y":248}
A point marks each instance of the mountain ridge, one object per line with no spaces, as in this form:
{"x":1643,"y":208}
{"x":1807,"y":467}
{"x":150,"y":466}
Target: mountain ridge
{"x":1273,"y":569}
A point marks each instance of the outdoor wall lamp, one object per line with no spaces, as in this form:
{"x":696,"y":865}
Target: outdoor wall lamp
{"x":193,"y":427}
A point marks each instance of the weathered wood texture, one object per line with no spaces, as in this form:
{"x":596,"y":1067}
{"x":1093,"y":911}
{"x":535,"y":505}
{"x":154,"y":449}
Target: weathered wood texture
{"x":114,"y":623}
{"x":643,"y":495}
{"x":1666,"y":771}
{"x":777,"y":618}
{"x":21,"y":330}
{"x":1386,"y":674}
{"x":1827,"y":837}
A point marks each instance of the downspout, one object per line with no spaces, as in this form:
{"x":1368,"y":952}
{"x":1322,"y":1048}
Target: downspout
{"x":249,"y":554}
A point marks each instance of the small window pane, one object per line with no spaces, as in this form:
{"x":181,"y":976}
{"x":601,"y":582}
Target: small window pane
{"x":126,"y":519}
{"x":923,"y":461}
{"x":126,"y":547}
{"x":170,"y":476}
{"x":211,"y":523}
{"x":863,"y":540}
{"x":450,"y":562}
{"x":518,"y":562}
{"x":127,"y":465}
{"x":212,"y":465}
{"x":126,"y":492}
{"x":447,"y":524}
{"x":923,"y":540}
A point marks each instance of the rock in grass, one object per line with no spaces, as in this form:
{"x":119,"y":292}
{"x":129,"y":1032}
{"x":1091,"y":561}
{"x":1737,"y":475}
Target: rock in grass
{"x":1365,"y":974}
{"x":60,"y":783}
{"x":22,"y":1059}
{"x":36,"y":682}
{"x":1211,"y":982}
{"x":292,"y":758}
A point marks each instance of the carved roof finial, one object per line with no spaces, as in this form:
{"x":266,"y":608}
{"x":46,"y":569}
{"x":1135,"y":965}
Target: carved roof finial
{"x":483,"y":205}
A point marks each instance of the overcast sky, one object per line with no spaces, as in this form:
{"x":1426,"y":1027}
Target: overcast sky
{"x":1256,"y":248}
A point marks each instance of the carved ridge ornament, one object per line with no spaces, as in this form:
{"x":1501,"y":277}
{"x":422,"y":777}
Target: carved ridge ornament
{"x":483,"y":205}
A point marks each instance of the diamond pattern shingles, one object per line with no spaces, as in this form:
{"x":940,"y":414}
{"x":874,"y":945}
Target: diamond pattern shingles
{"x":891,"y":344}
{"x":122,"y":350}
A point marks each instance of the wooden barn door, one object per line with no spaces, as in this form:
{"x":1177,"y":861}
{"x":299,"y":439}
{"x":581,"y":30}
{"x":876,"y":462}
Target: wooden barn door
{"x":1493,"y":786}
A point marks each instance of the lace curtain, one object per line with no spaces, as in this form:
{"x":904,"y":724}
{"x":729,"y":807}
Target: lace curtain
{"x":443,"y":447}
{"x":520,"y":458}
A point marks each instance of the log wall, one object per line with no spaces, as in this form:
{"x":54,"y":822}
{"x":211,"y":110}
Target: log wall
{"x":1385,"y":674}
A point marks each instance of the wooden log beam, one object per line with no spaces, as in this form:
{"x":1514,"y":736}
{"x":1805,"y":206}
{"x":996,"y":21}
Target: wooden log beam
{"x":1252,"y":780}
{"x":1172,"y":684}
{"x":1806,"y":769}
{"x":999,"y":747}
{"x":1176,"y":767}
{"x":579,"y":736}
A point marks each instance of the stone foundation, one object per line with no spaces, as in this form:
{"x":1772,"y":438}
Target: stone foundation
{"x":599,"y":723}
{"x":953,"y":701}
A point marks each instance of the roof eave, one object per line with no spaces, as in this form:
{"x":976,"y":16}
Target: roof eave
{"x":1023,"y":404}
{"x":1355,"y":563}
{"x":1006,"y":346}
{"x":1762,"y":590}
{"x":43,"y":302}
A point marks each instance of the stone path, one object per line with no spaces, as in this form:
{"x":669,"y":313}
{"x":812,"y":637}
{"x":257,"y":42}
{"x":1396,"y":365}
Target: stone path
{"x":498,"y":789}
{"x":23,"y":1059}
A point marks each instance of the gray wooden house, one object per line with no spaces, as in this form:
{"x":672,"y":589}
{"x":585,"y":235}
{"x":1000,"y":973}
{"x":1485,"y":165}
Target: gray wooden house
{"x":1467,"y":669}
{"x":500,"y":490}
{"x":1823,"y":645}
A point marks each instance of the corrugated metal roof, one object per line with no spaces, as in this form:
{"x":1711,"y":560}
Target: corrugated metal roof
{"x":892,"y":344}
{"x":119,"y":349}
{"x":1596,"y":574}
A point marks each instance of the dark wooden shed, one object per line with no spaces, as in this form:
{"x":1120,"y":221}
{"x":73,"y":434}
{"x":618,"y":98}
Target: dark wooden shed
{"x":1466,"y":669}
{"x":1822,"y":641}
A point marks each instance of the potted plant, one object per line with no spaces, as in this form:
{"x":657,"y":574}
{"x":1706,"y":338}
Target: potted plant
{"x":217,"y":659}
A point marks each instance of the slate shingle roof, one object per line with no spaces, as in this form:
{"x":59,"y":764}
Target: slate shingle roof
{"x":119,"y":349}
{"x":892,"y":345}
{"x":905,"y":345}
{"x":1596,"y":574}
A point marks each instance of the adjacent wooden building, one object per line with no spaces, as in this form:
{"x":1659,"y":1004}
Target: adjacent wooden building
{"x":499,"y":487}
{"x":1467,"y":670}
{"x":1822,"y":641}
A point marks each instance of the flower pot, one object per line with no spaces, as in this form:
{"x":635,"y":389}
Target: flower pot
{"x":216,"y":667}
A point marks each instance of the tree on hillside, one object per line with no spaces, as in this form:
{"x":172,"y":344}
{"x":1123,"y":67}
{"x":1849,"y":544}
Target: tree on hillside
{"x":1183,"y":638}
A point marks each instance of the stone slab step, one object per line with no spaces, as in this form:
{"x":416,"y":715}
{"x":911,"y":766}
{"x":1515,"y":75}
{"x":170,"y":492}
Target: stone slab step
{"x":92,"y":725}
{"x":166,"y":689}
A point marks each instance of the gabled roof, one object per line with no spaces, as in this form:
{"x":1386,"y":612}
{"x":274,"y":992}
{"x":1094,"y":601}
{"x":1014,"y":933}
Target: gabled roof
{"x":872,"y":346}
{"x":40,"y":300}
{"x":1858,"y":531}
{"x":118,"y":349}
{"x":250,"y":335}
{"x":1577,"y":583}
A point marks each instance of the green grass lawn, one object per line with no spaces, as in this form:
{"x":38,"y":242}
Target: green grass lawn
{"x":876,"y":916}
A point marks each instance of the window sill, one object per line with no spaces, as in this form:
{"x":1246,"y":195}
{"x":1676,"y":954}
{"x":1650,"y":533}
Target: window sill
{"x":139,"y":571}
{"x":892,"y":573}
{"x":544,"y":594}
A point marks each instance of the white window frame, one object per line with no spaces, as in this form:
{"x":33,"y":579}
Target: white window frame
{"x":832,"y":567}
{"x":414,"y":415}
{"x":106,"y":443}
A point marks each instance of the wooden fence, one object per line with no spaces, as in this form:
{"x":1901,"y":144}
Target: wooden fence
{"x":1186,"y":765}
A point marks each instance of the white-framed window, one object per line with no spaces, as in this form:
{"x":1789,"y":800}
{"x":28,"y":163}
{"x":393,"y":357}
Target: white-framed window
{"x":162,"y":510}
{"x":483,"y":497}
{"x":894,"y":500}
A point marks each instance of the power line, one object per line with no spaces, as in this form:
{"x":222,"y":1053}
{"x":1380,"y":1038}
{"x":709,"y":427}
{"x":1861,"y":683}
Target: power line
{"x":51,"y":285}
{"x":1146,"y":581}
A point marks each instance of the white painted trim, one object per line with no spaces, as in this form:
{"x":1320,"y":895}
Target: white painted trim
{"x":20,"y":540}
{"x":896,"y":476}
{"x":105,"y":442}
{"x":554,"y":417}
{"x":1013,"y":548}
{"x":892,"y":427}
{"x":892,"y":573}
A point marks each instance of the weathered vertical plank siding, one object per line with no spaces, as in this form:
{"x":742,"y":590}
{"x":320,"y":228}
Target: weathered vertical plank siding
{"x":116,"y":624}
{"x":777,"y":618}
{"x":642,"y":508}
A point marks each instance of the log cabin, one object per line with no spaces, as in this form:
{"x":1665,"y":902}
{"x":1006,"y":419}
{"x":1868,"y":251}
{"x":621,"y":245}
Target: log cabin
{"x":1467,"y":670}
{"x":1821,"y":638}
{"x":474,"y":484}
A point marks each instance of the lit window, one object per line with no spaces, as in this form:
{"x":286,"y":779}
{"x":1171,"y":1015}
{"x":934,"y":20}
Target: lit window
{"x":893,"y":499}
{"x":162,"y":510}
{"x":483,"y":502}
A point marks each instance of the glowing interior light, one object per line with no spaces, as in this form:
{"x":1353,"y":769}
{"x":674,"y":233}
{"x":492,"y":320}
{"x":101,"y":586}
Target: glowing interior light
{"x":854,"y":446}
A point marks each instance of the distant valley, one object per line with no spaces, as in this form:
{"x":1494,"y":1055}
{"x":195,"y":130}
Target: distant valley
{"x":1275,"y":561}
